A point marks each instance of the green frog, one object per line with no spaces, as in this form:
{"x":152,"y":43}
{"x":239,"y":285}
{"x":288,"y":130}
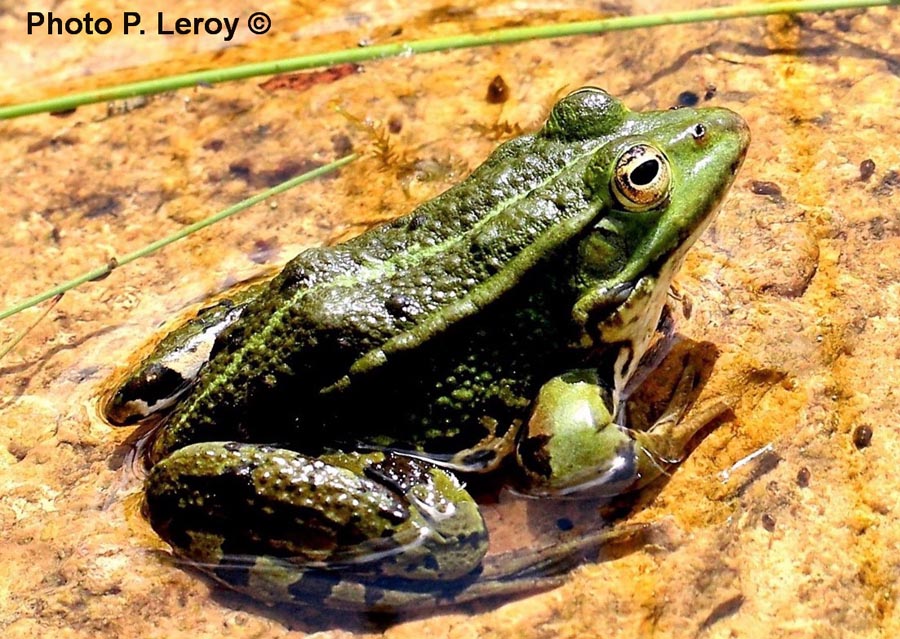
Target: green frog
{"x":315,"y":431}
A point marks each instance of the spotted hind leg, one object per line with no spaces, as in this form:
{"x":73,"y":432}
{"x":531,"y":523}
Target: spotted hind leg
{"x":285,"y":527}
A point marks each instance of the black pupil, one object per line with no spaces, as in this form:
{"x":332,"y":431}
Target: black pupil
{"x":645,"y":172}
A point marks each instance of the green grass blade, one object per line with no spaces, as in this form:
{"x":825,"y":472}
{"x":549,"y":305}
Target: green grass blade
{"x":500,"y":36}
{"x":182,"y":233}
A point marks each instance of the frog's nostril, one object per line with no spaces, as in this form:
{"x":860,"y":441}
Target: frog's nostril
{"x":699,"y":132}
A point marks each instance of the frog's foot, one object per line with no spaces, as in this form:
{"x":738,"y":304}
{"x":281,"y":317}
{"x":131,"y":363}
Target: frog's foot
{"x":572,"y":445}
{"x":173,"y":366}
{"x":281,"y":526}
{"x":516,"y":572}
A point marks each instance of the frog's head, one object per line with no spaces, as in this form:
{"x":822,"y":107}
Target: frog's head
{"x":657,"y":178}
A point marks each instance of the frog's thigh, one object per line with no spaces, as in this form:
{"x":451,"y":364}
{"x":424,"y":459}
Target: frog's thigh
{"x":230,"y":506}
{"x":572,"y":442}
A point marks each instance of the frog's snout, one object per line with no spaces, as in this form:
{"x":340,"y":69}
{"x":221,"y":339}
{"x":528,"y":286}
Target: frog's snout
{"x":743,"y":132}
{"x":736,"y":127}
{"x":727,"y":120}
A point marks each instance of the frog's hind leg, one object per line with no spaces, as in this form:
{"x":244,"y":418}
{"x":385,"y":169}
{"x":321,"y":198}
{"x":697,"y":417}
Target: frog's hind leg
{"x":281,"y":526}
{"x":574,"y":445}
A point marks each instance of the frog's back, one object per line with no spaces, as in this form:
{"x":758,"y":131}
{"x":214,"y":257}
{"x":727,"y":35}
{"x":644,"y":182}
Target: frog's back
{"x":339,"y":312}
{"x":430,"y":267}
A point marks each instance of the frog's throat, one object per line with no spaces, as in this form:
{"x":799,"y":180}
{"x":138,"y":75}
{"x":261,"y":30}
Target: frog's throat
{"x":631,"y":329}
{"x":632,"y":325}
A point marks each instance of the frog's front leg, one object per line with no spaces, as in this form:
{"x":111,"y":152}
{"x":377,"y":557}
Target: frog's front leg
{"x":352,"y":530}
{"x":574,"y":444}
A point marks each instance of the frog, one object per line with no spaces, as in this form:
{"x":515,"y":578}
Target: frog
{"x":315,"y":447}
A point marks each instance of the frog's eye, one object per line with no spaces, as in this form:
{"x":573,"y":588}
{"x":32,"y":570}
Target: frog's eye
{"x":641,"y":178}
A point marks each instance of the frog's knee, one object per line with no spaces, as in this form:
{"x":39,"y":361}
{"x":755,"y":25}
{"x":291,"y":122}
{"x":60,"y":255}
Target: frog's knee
{"x":571,"y":444}
{"x":453,"y":538}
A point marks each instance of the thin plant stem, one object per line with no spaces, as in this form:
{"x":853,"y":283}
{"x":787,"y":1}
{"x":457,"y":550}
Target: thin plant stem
{"x":5,"y":350}
{"x":362,"y":54}
{"x":116,"y":262}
